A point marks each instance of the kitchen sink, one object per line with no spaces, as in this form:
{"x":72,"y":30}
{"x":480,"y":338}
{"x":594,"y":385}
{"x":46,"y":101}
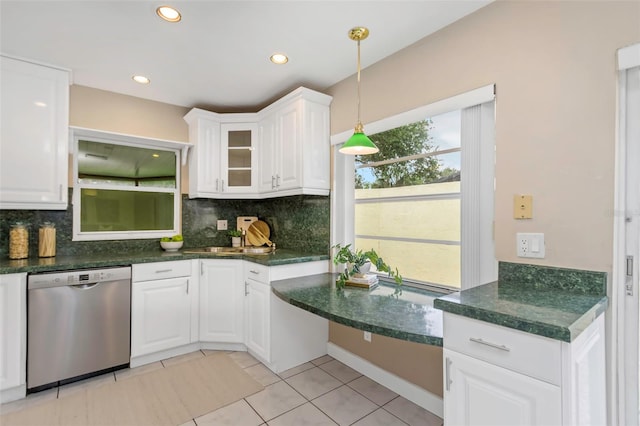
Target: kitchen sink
{"x":230,"y":250}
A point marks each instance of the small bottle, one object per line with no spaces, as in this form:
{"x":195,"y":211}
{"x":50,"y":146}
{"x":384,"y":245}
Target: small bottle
{"x":47,"y":240}
{"x":18,"y":241}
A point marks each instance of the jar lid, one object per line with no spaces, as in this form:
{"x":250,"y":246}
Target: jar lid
{"x":19,"y":225}
{"x":48,"y":225}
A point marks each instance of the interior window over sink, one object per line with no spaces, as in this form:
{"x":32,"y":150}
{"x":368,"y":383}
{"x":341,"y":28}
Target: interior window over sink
{"x":124,"y":187}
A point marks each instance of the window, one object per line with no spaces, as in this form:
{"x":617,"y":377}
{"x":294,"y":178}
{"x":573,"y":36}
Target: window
{"x":425,"y":201}
{"x":124,"y":187}
{"x":407,"y":199}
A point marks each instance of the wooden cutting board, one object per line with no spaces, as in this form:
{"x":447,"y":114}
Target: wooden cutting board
{"x":258,"y":234}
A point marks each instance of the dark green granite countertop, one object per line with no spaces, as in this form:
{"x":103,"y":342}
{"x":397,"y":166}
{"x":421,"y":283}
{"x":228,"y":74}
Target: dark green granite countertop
{"x":550,"y":302}
{"x":553,"y":302}
{"x":387,"y":310}
{"x":61,"y":263}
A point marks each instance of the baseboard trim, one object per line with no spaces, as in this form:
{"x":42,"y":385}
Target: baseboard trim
{"x":408,"y":390}
{"x":13,"y":394}
{"x":162,"y":355}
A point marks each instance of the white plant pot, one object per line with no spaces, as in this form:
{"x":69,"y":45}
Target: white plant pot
{"x":364,"y":269}
{"x":235,"y":241}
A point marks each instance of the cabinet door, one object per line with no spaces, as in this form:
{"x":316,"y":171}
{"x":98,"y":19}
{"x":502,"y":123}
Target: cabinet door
{"x":316,"y":157}
{"x":269,"y":152}
{"x":204,"y":162}
{"x":13,"y":330}
{"x":479,"y":393}
{"x":258,"y":337}
{"x":221,"y":301}
{"x":238,"y":154}
{"x":34,"y":136}
{"x":160,"y":315}
{"x":288,"y":172}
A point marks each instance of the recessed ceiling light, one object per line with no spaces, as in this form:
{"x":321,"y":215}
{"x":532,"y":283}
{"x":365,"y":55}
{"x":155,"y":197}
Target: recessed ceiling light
{"x":155,"y":155}
{"x":168,"y":13}
{"x":279,"y":58}
{"x":141,"y":79}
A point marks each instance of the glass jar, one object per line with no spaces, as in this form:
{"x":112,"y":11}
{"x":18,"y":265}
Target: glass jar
{"x":18,"y":241}
{"x":47,"y":240}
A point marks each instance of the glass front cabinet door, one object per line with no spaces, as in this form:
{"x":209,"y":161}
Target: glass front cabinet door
{"x":239,"y":158}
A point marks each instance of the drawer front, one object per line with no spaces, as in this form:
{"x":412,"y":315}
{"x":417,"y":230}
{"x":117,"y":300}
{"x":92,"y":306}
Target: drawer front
{"x":160,"y":270}
{"x":526,"y":353}
{"x":256,"y":272}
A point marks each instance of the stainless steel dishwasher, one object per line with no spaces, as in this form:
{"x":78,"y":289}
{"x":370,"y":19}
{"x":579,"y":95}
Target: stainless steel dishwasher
{"x":78,"y":324}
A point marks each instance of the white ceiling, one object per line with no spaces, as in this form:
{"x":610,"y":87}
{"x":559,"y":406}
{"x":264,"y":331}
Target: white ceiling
{"x":217,"y":57}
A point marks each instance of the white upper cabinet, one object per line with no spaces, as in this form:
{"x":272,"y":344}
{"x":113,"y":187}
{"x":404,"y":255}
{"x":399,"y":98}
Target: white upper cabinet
{"x":34,"y":143}
{"x":282,"y":150}
{"x":224,"y":159}
{"x":294,"y":145}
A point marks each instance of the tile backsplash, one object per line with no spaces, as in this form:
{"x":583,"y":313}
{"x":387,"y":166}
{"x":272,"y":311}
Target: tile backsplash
{"x":298,"y":222}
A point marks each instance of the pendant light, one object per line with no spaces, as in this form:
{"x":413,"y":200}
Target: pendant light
{"x":359,"y":143}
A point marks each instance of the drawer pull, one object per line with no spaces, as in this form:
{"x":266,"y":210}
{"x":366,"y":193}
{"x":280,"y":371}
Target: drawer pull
{"x":163,"y":271}
{"x":254,"y":272}
{"x":493,"y":345}
{"x":447,"y":374}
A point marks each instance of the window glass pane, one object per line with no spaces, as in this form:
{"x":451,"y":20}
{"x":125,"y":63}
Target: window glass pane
{"x":239,"y":178}
{"x":240,"y":138}
{"x":407,"y":200}
{"x":113,"y":210}
{"x":107,"y":163}
{"x":437,"y":264}
{"x":239,"y":158}
{"x":427,"y":219}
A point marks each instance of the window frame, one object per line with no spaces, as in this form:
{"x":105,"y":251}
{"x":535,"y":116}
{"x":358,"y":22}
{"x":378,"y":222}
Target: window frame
{"x":478,"y":262}
{"x":180,"y":149}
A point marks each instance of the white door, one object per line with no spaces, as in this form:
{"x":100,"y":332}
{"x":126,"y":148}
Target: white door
{"x":479,"y":393}
{"x":160,"y":315}
{"x":288,"y":175}
{"x":626,"y":291}
{"x":238,"y":157}
{"x":258,"y":314}
{"x":34,"y":136}
{"x":221,"y":301}
{"x":13,"y":330}
{"x":268,"y":154}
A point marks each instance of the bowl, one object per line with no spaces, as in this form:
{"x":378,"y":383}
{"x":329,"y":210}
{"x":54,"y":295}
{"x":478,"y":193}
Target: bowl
{"x":171,"y":245}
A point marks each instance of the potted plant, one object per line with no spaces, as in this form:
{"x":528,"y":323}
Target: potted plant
{"x":358,"y":263}
{"x":235,"y":235}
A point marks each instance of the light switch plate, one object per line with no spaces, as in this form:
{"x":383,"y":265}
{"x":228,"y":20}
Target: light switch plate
{"x":221,"y":225}
{"x":522,"y":207}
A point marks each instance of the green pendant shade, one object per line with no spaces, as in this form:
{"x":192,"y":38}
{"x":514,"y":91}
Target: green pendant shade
{"x":359,"y":144}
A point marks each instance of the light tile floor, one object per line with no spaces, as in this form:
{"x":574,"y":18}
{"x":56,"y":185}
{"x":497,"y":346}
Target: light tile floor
{"x":321,"y":392}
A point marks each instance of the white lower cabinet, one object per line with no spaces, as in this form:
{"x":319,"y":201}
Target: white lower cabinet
{"x":221,"y":301}
{"x":501,"y":376}
{"x":161,"y":306}
{"x":481,"y":393}
{"x":13,"y":336}
{"x":258,"y":312}
{"x":280,"y":335}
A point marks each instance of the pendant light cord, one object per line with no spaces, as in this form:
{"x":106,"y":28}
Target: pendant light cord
{"x":358,"y":78}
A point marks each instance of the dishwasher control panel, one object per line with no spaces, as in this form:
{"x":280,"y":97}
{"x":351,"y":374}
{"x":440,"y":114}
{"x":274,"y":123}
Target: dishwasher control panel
{"x":76,"y":277}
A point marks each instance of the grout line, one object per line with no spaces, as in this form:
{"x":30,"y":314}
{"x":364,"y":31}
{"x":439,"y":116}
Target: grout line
{"x":254,"y":410}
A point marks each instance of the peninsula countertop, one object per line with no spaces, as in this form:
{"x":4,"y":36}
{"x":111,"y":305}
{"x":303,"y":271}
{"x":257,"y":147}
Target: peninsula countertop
{"x":552,"y":302}
{"x":401,"y":312}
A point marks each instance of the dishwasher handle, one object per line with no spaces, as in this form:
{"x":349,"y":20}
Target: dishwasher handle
{"x":87,"y":286}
